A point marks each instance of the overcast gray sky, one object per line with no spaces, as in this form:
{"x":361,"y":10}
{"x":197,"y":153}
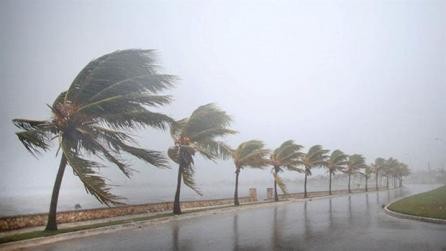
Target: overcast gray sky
{"x":363,"y":76}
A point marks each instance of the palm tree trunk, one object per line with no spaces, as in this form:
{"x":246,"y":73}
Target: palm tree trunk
{"x":329,"y":183}
{"x":52,"y":224}
{"x":176,"y":203}
{"x":376,"y":180}
{"x":349,"y":191}
{"x":305,"y":185}
{"x":349,"y":179}
{"x":276,"y":197}
{"x":366,"y":188}
{"x":236,"y":202}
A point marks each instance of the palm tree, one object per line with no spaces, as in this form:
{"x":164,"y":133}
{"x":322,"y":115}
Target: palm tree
{"x":198,"y":133}
{"x":335,"y":162}
{"x":106,"y":99}
{"x":286,"y":155}
{"x":248,"y":154}
{"x":354,"y":163}
{"x":368,"y":170}
{"x":315,"y":157}
{"x":403,"y":171}
{"x":377,"y":166}
{"x":390,"y":167}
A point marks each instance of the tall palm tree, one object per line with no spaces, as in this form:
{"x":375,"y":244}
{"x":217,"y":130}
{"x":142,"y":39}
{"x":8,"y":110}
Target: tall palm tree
{"x":354,"y":163}
{"x":377,"y":166}
{"x":368,"y":170}
{"x":198,"y":133}
{"x":106,"y":99}
{"x":403,"y":171}
{"x":315,"y":157}
{"x":286,"y":155}
{"x":335,"y":162}
{"x":248,"y":154}
{"x":390,"y":167}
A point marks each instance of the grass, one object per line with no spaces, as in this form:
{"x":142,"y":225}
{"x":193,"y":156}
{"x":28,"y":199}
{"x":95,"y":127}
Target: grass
{"x":430,"y":204}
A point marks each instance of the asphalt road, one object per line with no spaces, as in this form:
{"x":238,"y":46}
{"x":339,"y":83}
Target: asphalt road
{"x":355,"y":222}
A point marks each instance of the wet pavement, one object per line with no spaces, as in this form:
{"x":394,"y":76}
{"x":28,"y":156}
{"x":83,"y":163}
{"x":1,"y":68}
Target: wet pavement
{"x":355,"y":222}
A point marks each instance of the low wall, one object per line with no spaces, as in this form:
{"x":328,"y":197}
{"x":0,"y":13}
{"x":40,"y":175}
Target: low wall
{"x":33,"y":220}
{"x":323,"y":193}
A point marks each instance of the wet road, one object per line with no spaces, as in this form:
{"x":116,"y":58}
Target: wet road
{"x":355,"y":222}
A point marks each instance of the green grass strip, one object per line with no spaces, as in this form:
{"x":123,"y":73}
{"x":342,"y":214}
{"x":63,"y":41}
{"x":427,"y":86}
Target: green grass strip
{"x":429,"y":204}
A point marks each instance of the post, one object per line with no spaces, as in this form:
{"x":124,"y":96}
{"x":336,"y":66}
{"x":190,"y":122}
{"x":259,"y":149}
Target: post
{"x":252,"y":194}
{"x":269,"y":193}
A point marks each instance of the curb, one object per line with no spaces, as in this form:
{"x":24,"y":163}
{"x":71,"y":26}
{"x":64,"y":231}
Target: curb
{"x":409,"y":216}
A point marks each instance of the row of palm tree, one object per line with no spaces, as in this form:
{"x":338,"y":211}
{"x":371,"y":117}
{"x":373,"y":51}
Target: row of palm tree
{"x":112,"y":96}
{"x":288,"y":156}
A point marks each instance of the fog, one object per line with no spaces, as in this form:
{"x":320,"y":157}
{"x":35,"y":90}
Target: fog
{"x":366,"y":77}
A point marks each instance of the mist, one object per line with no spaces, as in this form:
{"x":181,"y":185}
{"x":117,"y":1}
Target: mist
{"x":365,"y":77}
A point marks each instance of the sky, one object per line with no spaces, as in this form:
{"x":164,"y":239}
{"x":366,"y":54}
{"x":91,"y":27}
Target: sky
{"x":365,"y":77}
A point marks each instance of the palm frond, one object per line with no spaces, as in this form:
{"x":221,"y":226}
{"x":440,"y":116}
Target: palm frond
{"x":136,"y":118}
{"x":257,"y":159}
{"x":60,"y":99}
{"x":177,"y":127}
{"x":287,"y":154}
{"x":316,"y":156}
{"x":174,"y":154}
{"x":34,"y":140}
{"x":251,"y":153}
{"x":120,"y":103}
{"x":188,"y":179}
{"x":212,"y":133}
{"x":91,"y":144}
{"x":354,"y":163}
{"x":27,"y":124}
{"x":36,"y":134}
{"x":94,"y":183}
{"x":204,"y":118}
{"x":213,"y":150}
{"x":295,"y":168}
{"x":280,"y":183}
{"x":155,"y":158}
{"x":117,"y":73}
{"x":118,"y":141}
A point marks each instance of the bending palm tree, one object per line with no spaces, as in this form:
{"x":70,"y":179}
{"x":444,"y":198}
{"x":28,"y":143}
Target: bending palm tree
{"x":367,"y":173}
{"x":287,"y":155}
{"x":315,"y":157}
{"x":197,"y":133}
{"x":335,"y":162}
{"x":377,"y":167}
{"x":108,"y":97}
{"x":403,"y":171}
{"x":390,"y":168}
{"x":354,"y":163}
{"x":248,"y":154}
